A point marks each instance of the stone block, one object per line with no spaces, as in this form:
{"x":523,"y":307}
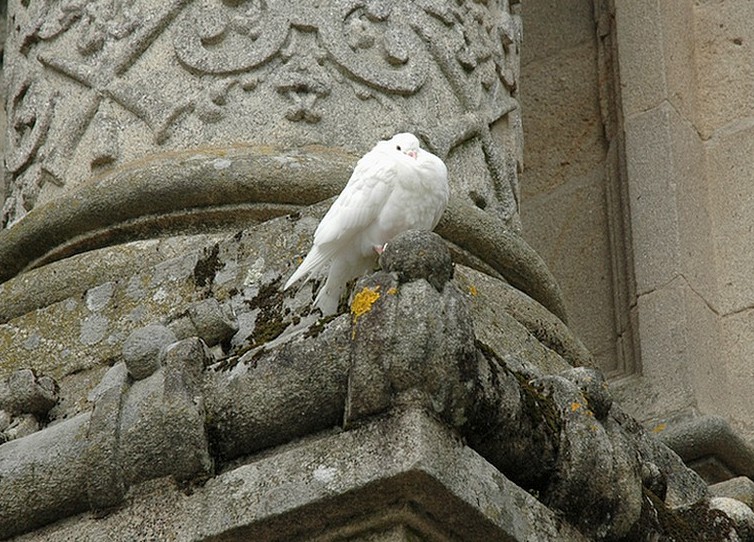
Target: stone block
{"x":568,"y":227}
{"x":656,"y":55}
{"x":432,"y":366}
{"x":725,"y":64}
{"x":738,"y":351}
{"x":680,"y":345}
{"x":331,"y":487}
{"x":679,"y":45}
{"x":730,"y":168}
{"x":642,"y":62}
{"x":664,"y":384}
{"x":711,"y":379}
{"x":653,"y":187}
{"x":545,"y":38}
{"x":670,"y":215}
{"x":561,"y":118}
{"x":696,"y":218}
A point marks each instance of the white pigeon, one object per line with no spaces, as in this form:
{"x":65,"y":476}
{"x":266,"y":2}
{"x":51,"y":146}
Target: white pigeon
{"x":395,"y":187}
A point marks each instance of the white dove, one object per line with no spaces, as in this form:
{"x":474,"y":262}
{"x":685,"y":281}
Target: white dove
{"x":395,"y":187}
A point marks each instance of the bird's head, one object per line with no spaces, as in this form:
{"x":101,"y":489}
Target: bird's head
{"x":406,"y":143}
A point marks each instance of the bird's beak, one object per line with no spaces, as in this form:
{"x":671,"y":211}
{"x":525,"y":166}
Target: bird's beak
{"x":412,"y":154}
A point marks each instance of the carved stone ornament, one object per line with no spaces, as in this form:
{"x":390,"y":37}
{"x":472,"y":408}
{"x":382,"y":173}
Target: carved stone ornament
{"x":98,"y":84}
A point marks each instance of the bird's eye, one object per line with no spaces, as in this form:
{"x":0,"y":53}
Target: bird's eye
{"x":398,"y":147}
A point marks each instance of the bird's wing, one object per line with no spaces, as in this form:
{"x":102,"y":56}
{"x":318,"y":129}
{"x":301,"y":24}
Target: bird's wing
{"x":357,"y":206}
{"x":360,"y":202}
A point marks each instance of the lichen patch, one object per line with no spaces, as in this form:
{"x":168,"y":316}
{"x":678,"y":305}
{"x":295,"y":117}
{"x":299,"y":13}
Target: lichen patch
{"x":362,"y":304}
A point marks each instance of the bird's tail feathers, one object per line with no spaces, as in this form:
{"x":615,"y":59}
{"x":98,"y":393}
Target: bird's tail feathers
{"x":313,"y":261}
{"x":328,"y":298}
{"x":340,"y":273}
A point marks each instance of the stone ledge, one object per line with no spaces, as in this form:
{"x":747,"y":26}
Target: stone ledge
{"x":709,"y":445}
{"x":740,"y":488}
{"x":336,"y":485}
{"x":218,"y":189}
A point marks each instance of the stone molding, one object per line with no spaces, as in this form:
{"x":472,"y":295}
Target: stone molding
{"x":557,"y":433}
{"x":240,"y":185}
{"x":330,"y":486}
{"x":710,"y":446}
{"x":94,"y":86}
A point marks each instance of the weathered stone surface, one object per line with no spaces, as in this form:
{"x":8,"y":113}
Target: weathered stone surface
{"x":56,"y":485}
{"x":205,"y":319}
{"x":433,"y":364}
{"x":681,"y":78}
{"x":593,"y":387}
{"x":22,"y":425}
{"x":153,"y":428}
{"x":143,"y":348}
{"x":162,"y":422}
{"x":740,"y":488}
{"x":331,"y":486}
{"x":742,"y":516}
{"x":666,"y":472}
{"x":568,"y":190}
{"x":472,"y":367}
{"x":23,"y":392}
{"x":418,"y":254}
{"x":712,"y":440}
{"x":100,"y":106}
{"x":106,"y":486}
{"x":269,"y":398}
{"x":500,"y":375}
{"x":724,"y":65}
{"x":597,"y":481}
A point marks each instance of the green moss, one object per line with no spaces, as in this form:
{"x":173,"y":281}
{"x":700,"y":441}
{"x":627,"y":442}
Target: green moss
{"x":207,"y":267}
{"x":267,"y":330}
{"x":269,"y":322}
{"x":539,"y":407}
{"x":317,"y":327}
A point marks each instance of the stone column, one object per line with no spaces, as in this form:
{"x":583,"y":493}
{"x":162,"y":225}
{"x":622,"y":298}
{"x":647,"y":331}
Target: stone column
{"x":104,"y":95}
{"x":133,"y":121}
{"x":166,"y":163}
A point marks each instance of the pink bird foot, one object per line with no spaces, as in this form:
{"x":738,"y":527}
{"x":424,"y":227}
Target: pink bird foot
{"x":380,"y":249}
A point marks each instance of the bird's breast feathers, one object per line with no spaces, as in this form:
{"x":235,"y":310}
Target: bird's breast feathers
{"x":387,"y":193}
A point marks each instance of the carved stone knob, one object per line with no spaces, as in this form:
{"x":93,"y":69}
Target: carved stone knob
{"x":25,"y":393}
{"x":418,"y":255}
{"x":142,"y":348}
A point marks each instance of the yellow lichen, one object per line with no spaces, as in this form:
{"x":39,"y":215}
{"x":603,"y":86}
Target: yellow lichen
{"x":575,"y":406}
{"x":473,"y":291}
{"x":363,"y":301}
{"x":392,"y":291}
{"x":659,"y":428}
{"x":362,"y":304}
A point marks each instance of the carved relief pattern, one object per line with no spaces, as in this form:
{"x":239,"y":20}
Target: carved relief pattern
{"x":300,"y":50}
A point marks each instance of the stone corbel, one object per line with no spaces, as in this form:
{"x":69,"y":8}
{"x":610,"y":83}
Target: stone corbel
{"x":137,"y":431}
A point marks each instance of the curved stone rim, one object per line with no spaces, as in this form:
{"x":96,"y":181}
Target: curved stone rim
{"x":133,"y":203}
